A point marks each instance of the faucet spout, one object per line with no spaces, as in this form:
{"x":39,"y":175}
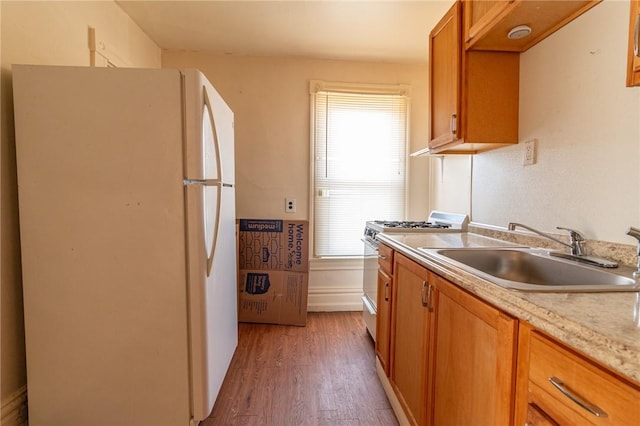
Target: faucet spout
{"x":576,"y":244}
{"x":635,"y":233}
{"x":512,"y":226}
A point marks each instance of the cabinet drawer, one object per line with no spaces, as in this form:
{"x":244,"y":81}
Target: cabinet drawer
{"x":385,"y":258}
{"x":618,"y":401}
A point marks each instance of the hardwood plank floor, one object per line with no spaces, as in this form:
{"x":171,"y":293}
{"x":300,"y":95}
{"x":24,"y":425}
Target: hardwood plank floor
{"x":321,"y":374}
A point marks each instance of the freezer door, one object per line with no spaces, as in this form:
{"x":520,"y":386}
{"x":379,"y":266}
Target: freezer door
{"x":209,"y":133}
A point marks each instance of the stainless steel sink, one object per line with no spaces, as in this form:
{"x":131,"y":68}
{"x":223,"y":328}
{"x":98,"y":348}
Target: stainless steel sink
{"x":529,"y":269}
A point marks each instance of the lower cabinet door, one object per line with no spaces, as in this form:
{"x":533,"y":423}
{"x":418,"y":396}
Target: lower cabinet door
{"x":383,"y":320}
{"x":474,"y":362}
{"x":410,"y":337}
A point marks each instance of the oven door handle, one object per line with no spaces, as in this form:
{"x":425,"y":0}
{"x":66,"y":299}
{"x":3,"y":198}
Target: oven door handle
{"x":368,"y":305}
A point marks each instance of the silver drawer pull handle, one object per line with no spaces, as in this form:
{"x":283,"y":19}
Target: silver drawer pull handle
{"x":430,"y":298}
{"x":382,"y":257}
{"x":636,"y":31}
{"x":596,"y":411}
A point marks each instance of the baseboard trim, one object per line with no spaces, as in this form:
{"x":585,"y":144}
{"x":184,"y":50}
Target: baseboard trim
{"x":391,"y":395}
{"x":334,"y":299}
{"x":14,"y":408}
{"x":336,"y":264}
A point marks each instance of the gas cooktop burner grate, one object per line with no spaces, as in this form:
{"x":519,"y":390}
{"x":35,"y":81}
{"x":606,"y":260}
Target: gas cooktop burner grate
{"x":410,"y":224}
{"x":437,"y":222}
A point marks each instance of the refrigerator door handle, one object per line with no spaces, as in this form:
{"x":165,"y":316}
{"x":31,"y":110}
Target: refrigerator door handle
{"x":214,"y":131}
{"x":211,"y":182}
{"x":216,"y":143}
{"x":204,"y":182}
{"x":215,"y":232}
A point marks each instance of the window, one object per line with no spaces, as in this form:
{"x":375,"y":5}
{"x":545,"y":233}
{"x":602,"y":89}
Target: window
{"x":359,"y":138}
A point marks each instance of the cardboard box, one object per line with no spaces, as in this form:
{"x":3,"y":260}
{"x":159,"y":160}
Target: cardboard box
{"x":273,"y":297}
{"x":273,"y":258}
{"x":273,"y":244}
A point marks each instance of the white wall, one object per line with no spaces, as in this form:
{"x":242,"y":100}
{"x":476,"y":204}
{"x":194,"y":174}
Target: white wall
{"x":270,"y":99}
{"x":44,"y":33}
{"x":450,"y":183}
{"x":573,"y":99}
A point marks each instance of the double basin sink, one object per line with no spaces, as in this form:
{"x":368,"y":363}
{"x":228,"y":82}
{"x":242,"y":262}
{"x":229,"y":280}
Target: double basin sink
{"x":530,"y":269}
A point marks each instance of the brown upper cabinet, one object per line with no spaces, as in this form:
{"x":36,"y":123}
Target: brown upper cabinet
{"x":474,"y":94}
{"x":487,"y":24}
{"x":633,"y":67}
{"x":474,"y":69}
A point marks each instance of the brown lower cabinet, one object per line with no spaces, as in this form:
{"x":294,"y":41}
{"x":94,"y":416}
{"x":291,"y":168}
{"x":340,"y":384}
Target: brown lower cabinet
{"x":454,"y":359}
{"x":383,"y":319}
{"x":566,"y":388}
{"x":452,"y":355}
{"x":410,"y":332}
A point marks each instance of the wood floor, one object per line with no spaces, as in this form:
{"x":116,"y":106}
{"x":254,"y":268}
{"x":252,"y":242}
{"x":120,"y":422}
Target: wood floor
{"x":321,"y":374}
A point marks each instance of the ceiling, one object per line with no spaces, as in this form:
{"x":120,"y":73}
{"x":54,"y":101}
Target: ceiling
{"x":389,"y":31}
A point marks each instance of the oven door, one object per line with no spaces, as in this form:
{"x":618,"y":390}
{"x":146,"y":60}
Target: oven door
{"x":370,"y":285}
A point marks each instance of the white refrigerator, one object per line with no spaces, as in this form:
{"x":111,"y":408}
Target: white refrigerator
{"x":127,"y":228}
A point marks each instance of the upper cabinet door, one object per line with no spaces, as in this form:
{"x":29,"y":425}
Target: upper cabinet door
{"x":481,"y":15}
{"x":487,"y":23}
{"x":444,"y":79}
{"x":633,"y":67}
{"x":473,"y":95}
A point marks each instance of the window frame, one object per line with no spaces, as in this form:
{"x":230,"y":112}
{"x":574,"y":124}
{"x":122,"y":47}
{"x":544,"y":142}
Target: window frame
{"x":316,"y":86}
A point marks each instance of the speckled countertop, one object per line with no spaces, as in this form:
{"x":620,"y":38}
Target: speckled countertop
{"x":604,"y":326}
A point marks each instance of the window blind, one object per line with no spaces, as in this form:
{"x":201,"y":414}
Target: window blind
{"x":360,"y":141}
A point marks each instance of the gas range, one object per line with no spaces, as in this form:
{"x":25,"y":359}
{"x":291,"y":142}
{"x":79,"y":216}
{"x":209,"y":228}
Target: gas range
{"x":437,"y":222}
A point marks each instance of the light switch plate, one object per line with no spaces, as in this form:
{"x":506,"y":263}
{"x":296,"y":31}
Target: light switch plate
{"x":530,"y":154}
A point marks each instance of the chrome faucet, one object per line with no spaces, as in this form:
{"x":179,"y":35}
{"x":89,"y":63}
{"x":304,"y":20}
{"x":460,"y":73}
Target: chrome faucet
{"x":635,"y":233}
{"x":576,"y":244}
{"x":576,"y":239}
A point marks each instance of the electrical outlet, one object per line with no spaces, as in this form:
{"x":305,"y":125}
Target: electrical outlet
{"x":289,"y":205}
{"x":529,"y":157}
